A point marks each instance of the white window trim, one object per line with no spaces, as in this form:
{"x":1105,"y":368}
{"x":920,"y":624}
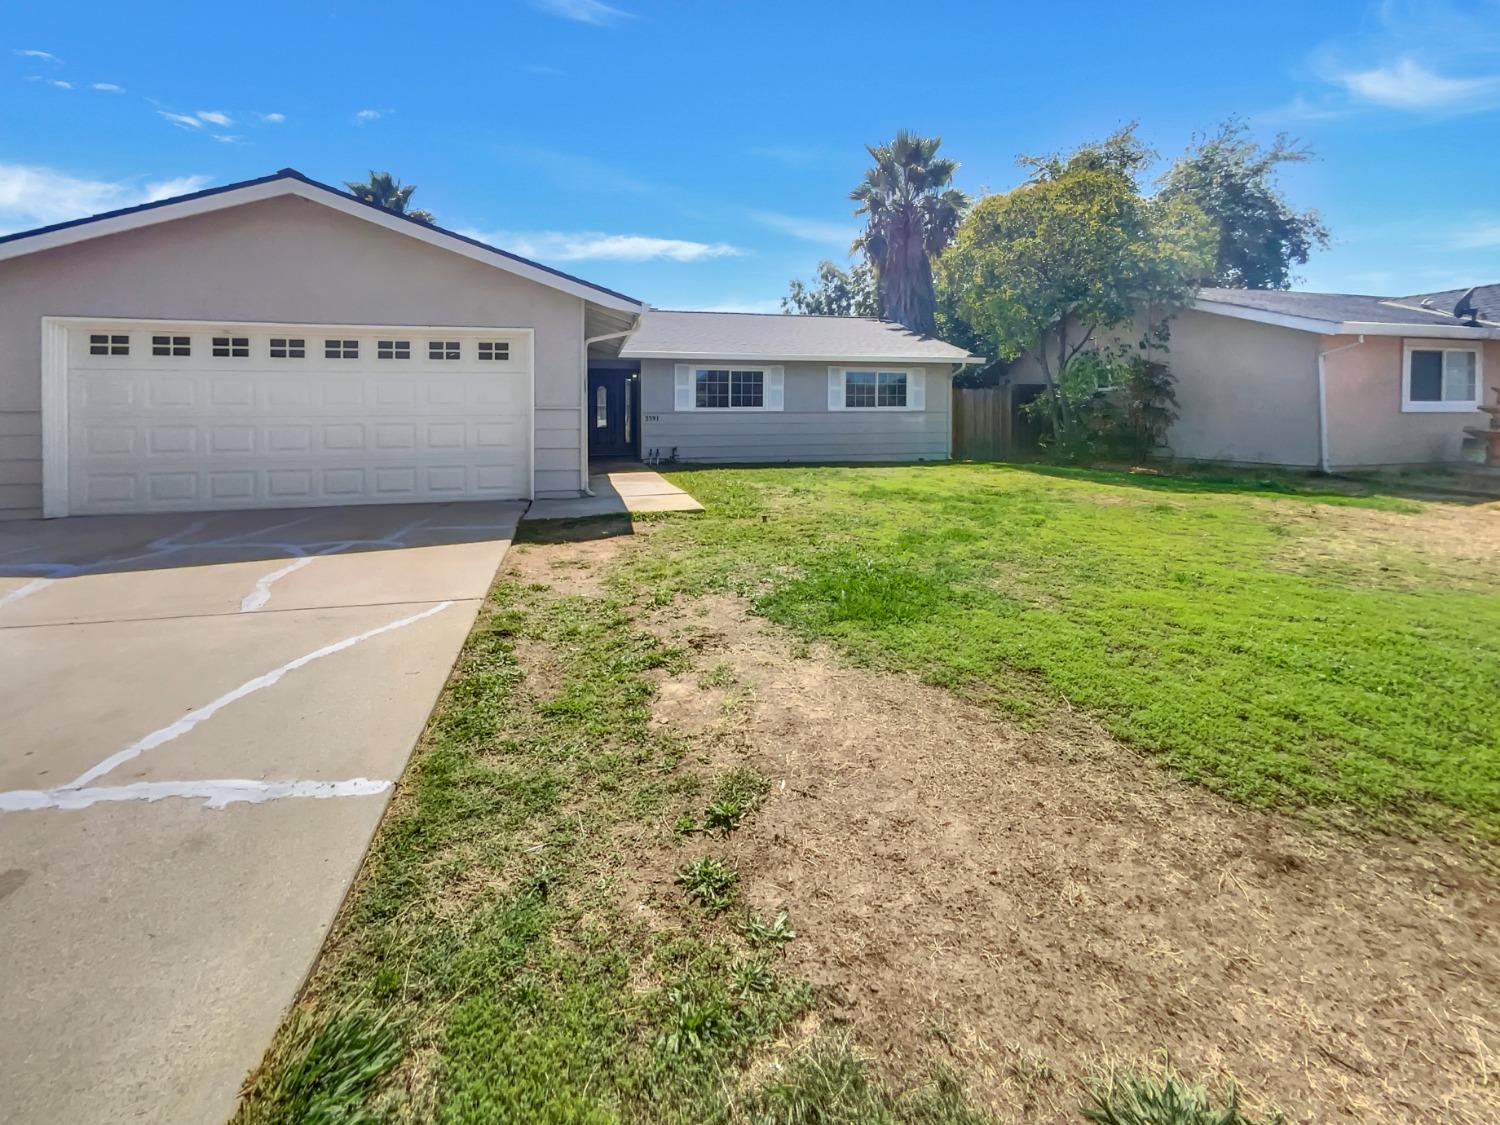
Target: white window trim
{"x":1450,"y":406}
{"x":916,"y":388}
{"x":685,"y":387}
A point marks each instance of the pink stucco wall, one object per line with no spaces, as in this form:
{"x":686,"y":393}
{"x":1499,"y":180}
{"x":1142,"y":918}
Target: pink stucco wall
{"x":1366,"y":426}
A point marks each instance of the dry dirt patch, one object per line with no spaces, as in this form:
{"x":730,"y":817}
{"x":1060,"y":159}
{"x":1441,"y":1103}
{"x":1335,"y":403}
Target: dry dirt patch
{"x":1039,"y":904}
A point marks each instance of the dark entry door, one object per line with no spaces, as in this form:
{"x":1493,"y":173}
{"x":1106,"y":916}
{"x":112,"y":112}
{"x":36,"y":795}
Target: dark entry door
{"x":613,"y":429}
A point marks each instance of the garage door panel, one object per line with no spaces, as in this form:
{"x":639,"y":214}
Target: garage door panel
{"x":148,"y":432}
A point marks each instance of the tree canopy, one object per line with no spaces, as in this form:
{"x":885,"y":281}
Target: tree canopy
{"x":911,"y":210}
{"x":383,"y":190}
{"x":836,"y":292}
{"x":1231,"y":179}
{"x":1074,"y":254}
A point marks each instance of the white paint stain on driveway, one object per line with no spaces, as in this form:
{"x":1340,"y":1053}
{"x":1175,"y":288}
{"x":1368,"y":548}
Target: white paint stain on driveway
{"x":213,"y":794}
{"x":262,"y":592}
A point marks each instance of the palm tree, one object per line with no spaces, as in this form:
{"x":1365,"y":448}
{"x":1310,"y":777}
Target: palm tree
{"x":911,"y":213}
{"x":384,"y":191}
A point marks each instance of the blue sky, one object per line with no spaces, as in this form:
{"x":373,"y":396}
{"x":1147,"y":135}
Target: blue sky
{"x":700,"y":154}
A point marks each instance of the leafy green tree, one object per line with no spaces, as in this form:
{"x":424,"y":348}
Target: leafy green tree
{"x":1077,"y":254}
{"x":911,"y":210}
{"x":385,"y":191}
{"x":836,"y":292}
{"x":1232,"y":180}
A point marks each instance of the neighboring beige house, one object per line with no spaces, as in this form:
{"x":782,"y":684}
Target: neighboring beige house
{"x":1327,"y":380}
{"x":280,"y":343}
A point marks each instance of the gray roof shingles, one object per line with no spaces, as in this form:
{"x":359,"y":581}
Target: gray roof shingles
{"x":729,"y":335}
{"x":1346,"y":307}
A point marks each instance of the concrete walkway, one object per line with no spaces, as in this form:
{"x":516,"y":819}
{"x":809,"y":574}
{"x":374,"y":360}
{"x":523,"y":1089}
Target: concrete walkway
{"x":618,"y":492}
{"x":202,"y":718}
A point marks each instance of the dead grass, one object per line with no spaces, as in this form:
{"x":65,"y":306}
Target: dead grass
{"x":1038,"y":907}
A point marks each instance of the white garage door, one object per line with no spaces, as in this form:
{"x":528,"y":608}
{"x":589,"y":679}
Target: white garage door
{"x":184,"y":417}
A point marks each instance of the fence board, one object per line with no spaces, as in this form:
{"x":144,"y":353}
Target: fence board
{"x":981,"y":423}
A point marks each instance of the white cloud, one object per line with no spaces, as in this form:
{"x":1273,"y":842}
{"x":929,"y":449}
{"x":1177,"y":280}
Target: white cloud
{"x":273,"y":118}
{"x":595,"y":246}
{"x":55,"y":82}
{"x":107,"y":87}
{"x":582,"y":11}
{"x":43,"y":56}
{"x":32,"y":195}
{"x":226,"y":139}
{"x":809,"y":230}
{"x":215,"y":117}
{"x":1407,"y":84}
{"x":367,"y":115}
{"x":181,"y":120}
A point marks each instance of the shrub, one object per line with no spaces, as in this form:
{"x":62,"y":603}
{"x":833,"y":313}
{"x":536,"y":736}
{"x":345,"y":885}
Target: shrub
{"x":1144,"y":1100}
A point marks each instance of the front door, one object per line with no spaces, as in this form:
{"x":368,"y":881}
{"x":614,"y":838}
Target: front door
{"x":612,"y":413}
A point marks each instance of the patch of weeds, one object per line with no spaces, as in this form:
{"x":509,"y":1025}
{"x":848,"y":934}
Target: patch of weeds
{"x":322,"y":1068}
{"x":1146,"y":1100}
{"x":709,"y":882}
{"x":752,"y":977}
{"x":777,"y":932}
{"x":736,"y":795}
{"x":827,"y":1083}
{"x":721,"y":675}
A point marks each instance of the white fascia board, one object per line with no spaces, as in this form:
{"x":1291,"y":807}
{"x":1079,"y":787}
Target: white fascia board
{"x":1262,"y":316}
{"x":784,"y":357}
{"x":1426,"y":331}
{"x":272,"y":189}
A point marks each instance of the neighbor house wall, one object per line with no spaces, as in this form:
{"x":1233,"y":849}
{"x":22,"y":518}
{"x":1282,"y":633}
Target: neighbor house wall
{"x":804,"y":431}
{"x":284,"y":260}
{"x":1246,"y":392}
{"x":1366,"y":426}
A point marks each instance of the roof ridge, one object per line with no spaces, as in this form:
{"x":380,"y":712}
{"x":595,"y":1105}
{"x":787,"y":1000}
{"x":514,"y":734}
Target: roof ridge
{"x":753,"y":312}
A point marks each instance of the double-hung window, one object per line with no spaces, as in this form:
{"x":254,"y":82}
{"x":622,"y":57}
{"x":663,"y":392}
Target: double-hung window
{"x":728,"y":387}
{"x":875,"y":388}
{"x":1439,"y":376}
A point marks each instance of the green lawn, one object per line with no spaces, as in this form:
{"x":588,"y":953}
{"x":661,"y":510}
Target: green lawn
{"x":1242,"y":629}
{"x":1287,"y":648}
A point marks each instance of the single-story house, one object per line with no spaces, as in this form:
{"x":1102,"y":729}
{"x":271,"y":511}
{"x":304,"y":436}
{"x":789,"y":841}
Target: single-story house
{"x":1334,"y":381}
{"x":278,"y":342}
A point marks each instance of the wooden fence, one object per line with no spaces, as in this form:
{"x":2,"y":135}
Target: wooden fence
{"x":981,"y":423}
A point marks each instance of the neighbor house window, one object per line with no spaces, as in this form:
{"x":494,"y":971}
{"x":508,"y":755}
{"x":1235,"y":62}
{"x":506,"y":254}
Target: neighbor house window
{"x":231,"y":347}
{"x":442,"y":349}
{"x":871,"y":390}
{"x":109,"y":345}
{"x":491,"y":349}
{"x":340,"y":349}
{"x":1441,"y":378}
{"x":288,"y":347}
{"x":392,"y":349}
{"x":171,"y":345}
{"x":726,"y":388}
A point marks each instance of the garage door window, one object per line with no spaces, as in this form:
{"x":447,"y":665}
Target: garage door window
{"x":232,"y":347}
{"x":392,"y":349}
{"x":287,"y":347}
{"x":109,"y":345}
{"x":442,"y":349}
{"x":171,"y":345}
{"x":492,"y":349}
{"x":340,"y":349}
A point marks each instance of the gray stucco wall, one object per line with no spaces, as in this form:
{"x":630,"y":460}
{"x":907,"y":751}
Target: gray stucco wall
{"x":804,"y":431}
{"x":280,"y":260}
{"x":1246,"y":392}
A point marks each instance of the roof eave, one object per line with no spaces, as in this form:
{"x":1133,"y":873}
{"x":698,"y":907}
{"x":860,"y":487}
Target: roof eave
{"x":1324,"y":327}
{"x":783,"y":357}
{"x":293,"y":183}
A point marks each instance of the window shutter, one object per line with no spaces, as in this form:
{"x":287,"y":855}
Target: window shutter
{"x":835,"y":388}
{"x":684,"y":388}
{"x":775,"y":387}
{"x":916,"y":390}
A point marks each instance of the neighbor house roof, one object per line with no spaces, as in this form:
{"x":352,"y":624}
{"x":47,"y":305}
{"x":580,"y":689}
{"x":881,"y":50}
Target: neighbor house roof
{"x":1353,"y":313}
{"x":672,"y":334}
{"x":289,"y":181}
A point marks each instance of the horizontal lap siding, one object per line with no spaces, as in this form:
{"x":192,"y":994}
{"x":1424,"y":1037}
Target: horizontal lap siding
{"x":20,"y":462}
{"x":805,"y":431}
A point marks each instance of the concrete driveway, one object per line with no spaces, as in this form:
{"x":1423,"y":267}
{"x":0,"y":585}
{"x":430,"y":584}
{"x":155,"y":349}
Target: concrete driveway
{"x":200,"y":721}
